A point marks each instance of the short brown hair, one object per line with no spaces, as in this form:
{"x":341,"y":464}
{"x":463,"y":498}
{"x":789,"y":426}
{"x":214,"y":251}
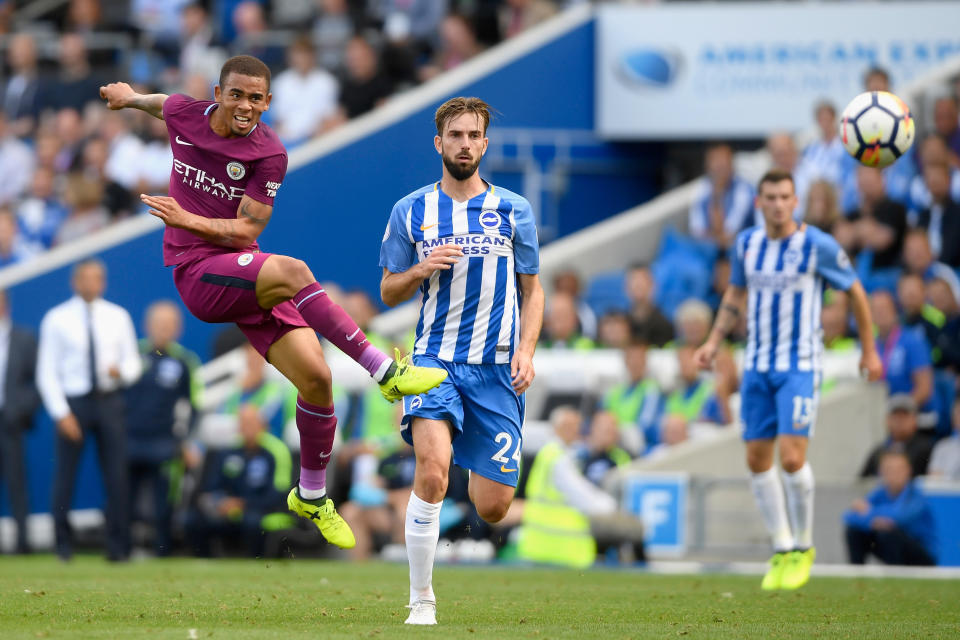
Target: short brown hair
{"x":245,"y":66}
{"x":457,"y":106}
{"x":773,"y":176}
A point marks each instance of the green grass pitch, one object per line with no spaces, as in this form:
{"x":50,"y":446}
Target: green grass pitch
{"x":234,"y":600}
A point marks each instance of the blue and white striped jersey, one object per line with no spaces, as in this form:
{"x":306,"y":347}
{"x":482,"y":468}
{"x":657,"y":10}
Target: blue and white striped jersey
{"x":469,"y":313}
{"x":784,"y":280}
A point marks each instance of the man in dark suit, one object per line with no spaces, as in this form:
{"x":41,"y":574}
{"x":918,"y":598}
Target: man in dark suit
{"x":19,"y":401}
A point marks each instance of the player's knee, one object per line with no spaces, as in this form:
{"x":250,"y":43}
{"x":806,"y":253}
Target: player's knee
{"x":791,"y":461}
{"x":432,"y":479}
{"x":318,"y":387}
{"x":493,"y":511}
{"x":758,"y":462}
{"x":298,"y":273}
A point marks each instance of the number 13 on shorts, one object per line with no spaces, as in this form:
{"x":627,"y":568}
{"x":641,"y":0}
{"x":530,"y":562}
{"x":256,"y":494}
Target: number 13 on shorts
{"x":505,"y":441}
{"x":803,"y":412}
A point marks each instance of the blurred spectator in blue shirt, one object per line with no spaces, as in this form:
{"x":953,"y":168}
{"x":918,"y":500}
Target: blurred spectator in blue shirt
{"x":22,"y":90}
{"x":825,"y":158}
{"x":941,"y":219}
{"x":902,"y":433}
{"x":12,"y":247}
{"x":917,"y":313}
{"x":947,"y":124}
{"x":161,"y":410}
{"x":16,"y":163}
{"x":894,"y":522}
{"x":242,"y":486}
{"x":724,"y":203}
{"x":906,"y":358}
{"x":41,"y":213}
{"x":918,"y":259}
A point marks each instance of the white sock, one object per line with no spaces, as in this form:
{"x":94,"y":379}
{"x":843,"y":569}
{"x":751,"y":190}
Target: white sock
{"x":311,"y":494}
{"x":422,"y":531}
{"x":769,"y":496}
{"x":798,"y":487}
{"x":381,"y":372}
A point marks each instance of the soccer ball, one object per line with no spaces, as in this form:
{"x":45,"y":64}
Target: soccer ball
{"x":876,"y":128}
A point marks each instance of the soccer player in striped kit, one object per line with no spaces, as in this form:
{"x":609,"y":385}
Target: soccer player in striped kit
{"x":471,"y":250}
{"x":780,"y":270}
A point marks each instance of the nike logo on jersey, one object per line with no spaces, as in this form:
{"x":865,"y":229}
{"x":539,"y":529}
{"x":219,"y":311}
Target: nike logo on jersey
{"x":179,"y":141}
{"x":429,"y":226}
{"x":353,"y":335}
{"x":504,"y":469}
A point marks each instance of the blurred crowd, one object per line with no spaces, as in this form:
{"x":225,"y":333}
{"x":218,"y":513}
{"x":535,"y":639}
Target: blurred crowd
{"x":71,"y":167}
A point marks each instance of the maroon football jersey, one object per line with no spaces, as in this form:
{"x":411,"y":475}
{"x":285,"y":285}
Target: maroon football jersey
{"x":211,"y":173}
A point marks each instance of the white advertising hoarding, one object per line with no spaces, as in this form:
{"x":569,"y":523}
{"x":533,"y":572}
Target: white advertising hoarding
{"x":746,"y":69}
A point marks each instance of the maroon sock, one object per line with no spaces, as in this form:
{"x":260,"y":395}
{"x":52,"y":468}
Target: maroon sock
{"x":317,"y":426}
{"x":333,"y":323}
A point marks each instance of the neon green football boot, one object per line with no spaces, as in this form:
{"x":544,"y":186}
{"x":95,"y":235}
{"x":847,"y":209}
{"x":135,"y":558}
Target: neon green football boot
{"x":407,"y":379}
{"x":322,"y":513}
{"x":796,"y":572}
{"x":771,"y":581}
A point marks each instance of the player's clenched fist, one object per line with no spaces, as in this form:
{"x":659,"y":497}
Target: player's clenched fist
{"x":117,"y":94}
{"x":440,"y":259}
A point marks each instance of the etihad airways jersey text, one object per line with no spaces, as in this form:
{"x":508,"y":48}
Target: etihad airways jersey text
{"x":784,"y":280}
{"x":469,"y":313}
{"x":212,"y":173}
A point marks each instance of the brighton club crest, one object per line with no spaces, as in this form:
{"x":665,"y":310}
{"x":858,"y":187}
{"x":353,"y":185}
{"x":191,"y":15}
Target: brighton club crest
{"x":235,"y":170}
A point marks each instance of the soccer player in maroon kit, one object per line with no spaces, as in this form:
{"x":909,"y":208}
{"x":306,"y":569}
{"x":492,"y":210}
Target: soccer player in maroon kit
{"x":227,"y":168}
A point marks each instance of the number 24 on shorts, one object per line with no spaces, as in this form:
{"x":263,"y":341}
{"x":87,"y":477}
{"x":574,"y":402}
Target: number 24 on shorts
{"x":504,"y":438}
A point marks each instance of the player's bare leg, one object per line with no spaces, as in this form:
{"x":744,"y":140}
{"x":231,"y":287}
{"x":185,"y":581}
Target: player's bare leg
{"x":283,"y":278}
{"x":299,"y":356}
{"x":768,"y":492}
{"x":798,"y":486}
{"x":491,"y":498}
{"x":431,"y":446}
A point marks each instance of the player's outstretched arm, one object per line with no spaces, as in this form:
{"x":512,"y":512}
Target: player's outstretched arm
{"x":731,"y":307}
{"x":399,"y":287}
{"x":870,"y":366}
{"x":236,"y":233}
{"x":120,"y":95}
{"x":531,"y":321}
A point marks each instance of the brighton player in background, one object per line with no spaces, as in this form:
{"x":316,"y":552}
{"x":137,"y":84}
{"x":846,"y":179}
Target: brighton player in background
{"x":467,"y":246}
{"x":780,"y":270}
{"x":227,"y":169}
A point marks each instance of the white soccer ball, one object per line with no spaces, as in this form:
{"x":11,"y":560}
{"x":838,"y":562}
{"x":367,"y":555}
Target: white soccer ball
{"x":876,"y":128}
